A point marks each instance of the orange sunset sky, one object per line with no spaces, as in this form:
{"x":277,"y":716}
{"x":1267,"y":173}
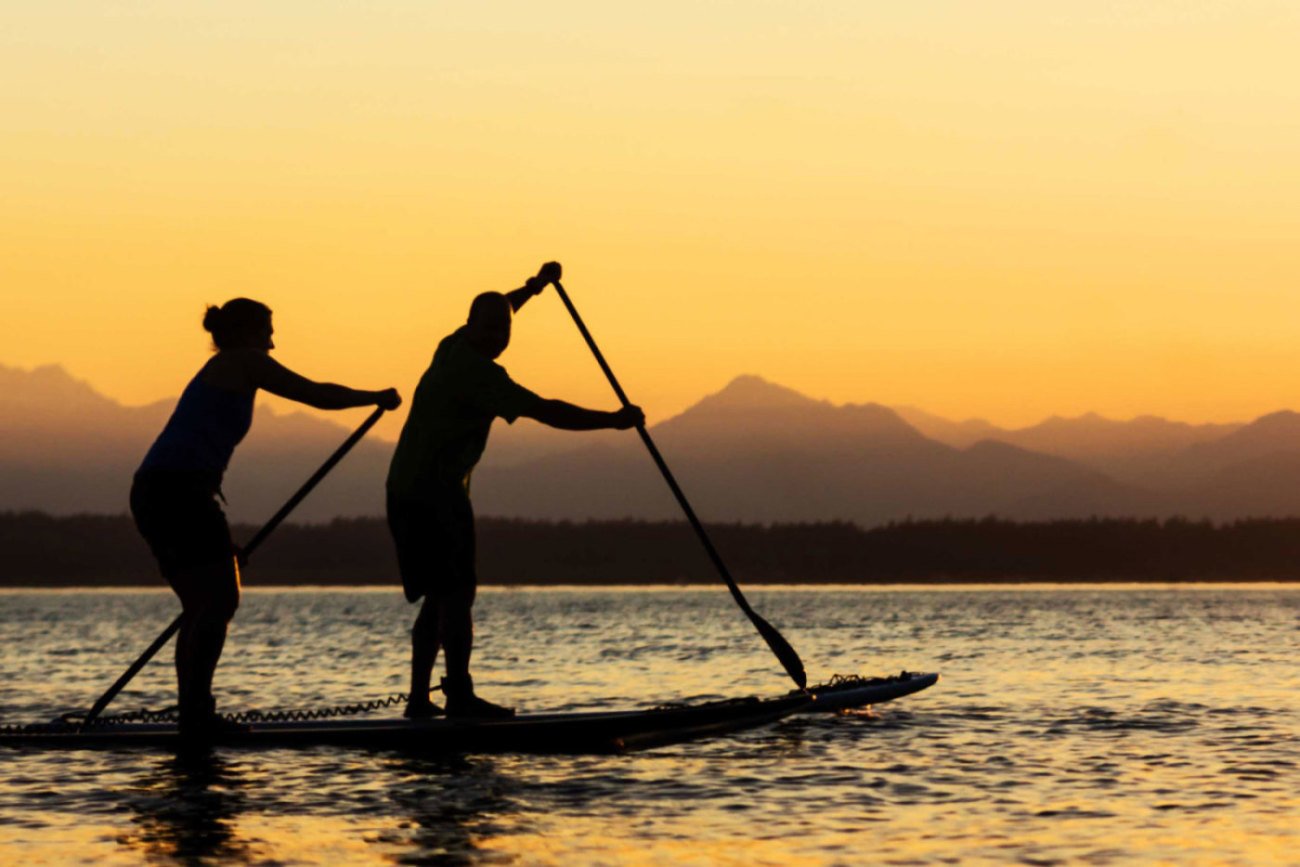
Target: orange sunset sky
{"x":997,"y":209}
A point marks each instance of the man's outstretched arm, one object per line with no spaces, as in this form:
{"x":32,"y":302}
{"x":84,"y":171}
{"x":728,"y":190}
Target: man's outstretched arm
{"x":549,"y":273}
{"x":566,"y":416}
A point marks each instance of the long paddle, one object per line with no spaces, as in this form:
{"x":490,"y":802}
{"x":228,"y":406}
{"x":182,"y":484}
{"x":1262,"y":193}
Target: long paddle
{"x":258,"y":539}
{"x":784,"y":652}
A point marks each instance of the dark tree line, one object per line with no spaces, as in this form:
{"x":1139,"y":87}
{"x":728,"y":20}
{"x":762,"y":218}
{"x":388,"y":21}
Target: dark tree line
{"x":41,"y":550}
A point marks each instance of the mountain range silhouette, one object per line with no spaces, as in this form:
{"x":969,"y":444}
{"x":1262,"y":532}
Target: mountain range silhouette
{"x":753,"y":451}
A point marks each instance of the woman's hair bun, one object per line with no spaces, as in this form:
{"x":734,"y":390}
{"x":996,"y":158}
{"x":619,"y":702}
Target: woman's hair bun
{"x":212,"y":319}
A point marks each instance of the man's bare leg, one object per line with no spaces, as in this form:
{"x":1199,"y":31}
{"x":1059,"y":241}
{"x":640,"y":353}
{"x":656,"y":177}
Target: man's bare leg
{"x":458,"y":639}
{"x":426,"y":638}
{"x":457,"y":624}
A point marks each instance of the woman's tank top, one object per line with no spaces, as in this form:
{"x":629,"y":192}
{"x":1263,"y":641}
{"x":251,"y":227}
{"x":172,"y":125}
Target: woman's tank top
{"x":202,"y":433}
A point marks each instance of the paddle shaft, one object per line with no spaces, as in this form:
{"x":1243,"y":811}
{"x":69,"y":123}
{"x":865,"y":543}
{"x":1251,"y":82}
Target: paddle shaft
{"x":784,"y":652}
{"x":258,"y":538}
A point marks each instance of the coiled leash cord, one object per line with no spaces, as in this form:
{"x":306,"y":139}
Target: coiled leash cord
{"x":172,"y":714}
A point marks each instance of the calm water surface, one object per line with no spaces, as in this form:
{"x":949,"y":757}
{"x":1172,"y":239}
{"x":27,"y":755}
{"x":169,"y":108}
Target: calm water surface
{"x":1072,"y":725}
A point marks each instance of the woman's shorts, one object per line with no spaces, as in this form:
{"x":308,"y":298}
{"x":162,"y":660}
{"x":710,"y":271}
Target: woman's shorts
{"x":182,"y":522}
{"x":435,"y":545}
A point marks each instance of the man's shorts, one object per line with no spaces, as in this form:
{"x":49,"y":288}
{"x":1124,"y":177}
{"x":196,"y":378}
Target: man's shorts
{"x":435,"y":545}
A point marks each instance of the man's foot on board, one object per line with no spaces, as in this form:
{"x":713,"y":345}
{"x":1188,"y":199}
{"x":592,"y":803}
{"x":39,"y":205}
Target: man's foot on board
{"x":421,"y":710}
{"x":479,"y":708}
{"x":462,"y":702}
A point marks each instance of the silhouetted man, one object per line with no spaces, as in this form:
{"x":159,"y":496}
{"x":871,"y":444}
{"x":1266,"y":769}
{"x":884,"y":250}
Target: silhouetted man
{"x":429,"y":512}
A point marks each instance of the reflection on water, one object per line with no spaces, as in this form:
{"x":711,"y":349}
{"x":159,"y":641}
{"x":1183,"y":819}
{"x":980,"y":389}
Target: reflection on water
{"x":186,"y":808}
{"x":1073,"y":725}
{"x":452,"y":805}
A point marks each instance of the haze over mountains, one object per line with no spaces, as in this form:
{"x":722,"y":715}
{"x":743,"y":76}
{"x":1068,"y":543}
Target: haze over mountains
{"x":754,"y":451}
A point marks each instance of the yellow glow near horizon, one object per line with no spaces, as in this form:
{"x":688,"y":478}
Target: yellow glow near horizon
{"x":1001,"y":209}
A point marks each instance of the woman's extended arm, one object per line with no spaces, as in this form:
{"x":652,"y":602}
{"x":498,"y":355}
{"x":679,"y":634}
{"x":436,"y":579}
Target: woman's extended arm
{"x":269,"y":374}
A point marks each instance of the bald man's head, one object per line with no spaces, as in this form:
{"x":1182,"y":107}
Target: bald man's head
{"x":488,"y":325}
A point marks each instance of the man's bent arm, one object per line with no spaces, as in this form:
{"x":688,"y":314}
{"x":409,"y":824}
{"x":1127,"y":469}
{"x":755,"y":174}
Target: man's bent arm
{"x":517,"y":297}
{"x":548,"y":273}
{"x":566,"y":416}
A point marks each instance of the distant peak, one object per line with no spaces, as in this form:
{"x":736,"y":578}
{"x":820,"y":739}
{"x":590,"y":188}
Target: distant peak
{"x":748,"y":390}
{"x":1283,"y":419}
{"x":48,"y":380}
{"x":44,"y":371}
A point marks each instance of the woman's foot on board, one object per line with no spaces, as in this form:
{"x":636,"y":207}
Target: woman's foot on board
{"x":462,"y":702}
{"x":203,"y":723}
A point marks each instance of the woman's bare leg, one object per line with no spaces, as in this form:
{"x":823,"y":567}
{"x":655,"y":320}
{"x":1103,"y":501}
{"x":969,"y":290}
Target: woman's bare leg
{"x":209,"y":601}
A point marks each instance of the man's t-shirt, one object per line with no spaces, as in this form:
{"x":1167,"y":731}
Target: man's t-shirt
{"x":453,"y":408}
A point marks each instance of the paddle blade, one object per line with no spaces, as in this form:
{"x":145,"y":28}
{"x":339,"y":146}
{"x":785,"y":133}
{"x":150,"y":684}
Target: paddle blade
{"x":784,"y":652}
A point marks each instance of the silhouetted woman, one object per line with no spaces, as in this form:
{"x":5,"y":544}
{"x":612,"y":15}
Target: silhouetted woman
{"x":174,"y":496}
